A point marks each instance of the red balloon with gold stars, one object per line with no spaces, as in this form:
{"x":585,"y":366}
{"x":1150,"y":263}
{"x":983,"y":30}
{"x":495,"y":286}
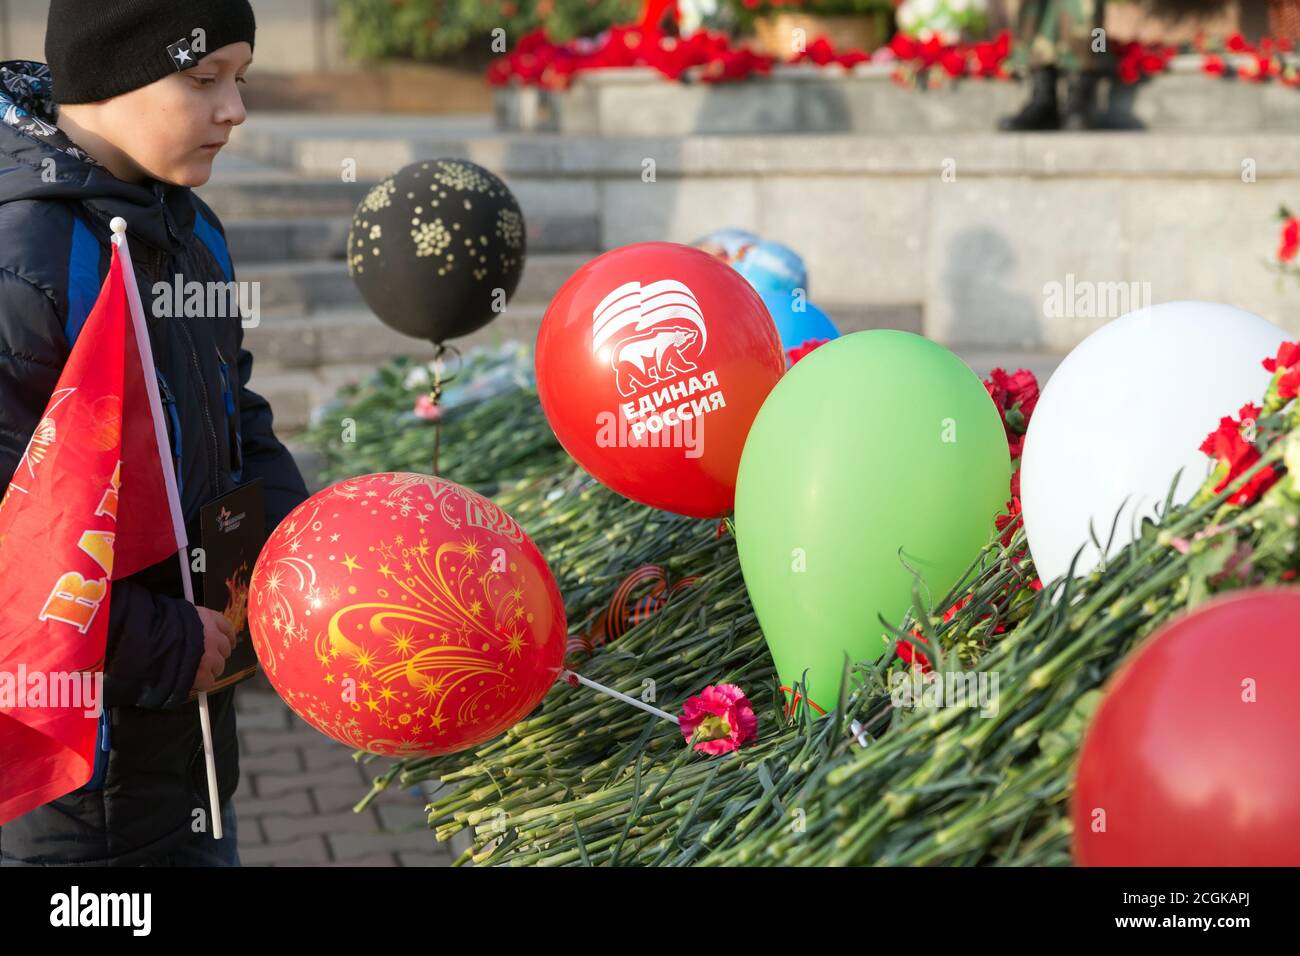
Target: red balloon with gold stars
{"x":405,"y":615}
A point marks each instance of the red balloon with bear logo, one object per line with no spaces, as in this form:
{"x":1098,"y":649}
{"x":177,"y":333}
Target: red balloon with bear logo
{"x":652,"y":361}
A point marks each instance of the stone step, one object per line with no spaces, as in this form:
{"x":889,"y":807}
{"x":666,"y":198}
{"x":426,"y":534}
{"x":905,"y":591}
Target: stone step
{"x":300,"y":362}
{"x":294,"y":392}
{"x":266,"y":220}
{"x":275,"y":197}
{"x":299,"y":288}
{"x":806,"y":99}
{"x":352,"y":337}
{"x":976,"y":226}
{"x":293,"y":240}
{"x":538,"y":164}
{"x":982,"y":361}
{"x":273,"y":137}
{"x":342,"y":336}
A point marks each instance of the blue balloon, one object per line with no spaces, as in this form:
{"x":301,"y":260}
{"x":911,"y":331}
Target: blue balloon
{"x":727,"y":244}
{"x":794,"y":327}
{"x":771,"y":267}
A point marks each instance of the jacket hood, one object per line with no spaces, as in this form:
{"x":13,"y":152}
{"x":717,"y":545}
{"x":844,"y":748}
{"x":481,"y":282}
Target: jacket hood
{"x":39,"y":161}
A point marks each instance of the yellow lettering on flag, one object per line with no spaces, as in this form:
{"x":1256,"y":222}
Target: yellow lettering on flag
{"x":99,"y":545}
{"x":74,"y":601}
{"x":108,"y":504}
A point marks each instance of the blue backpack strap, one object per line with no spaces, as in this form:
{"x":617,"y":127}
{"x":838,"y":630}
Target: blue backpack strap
{"x":215,"y":242}
{"x":232,"y":421}
{"x":168,"y":399}
{"x":83,"y":290}
{"x":211,"y":237}
{"x":84,"y":286}
{"x":103,"y":744}
{"x":83,"y":278}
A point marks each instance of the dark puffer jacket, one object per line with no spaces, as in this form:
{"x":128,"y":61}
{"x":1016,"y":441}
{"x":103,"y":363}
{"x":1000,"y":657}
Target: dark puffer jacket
{"x":55,"y":206}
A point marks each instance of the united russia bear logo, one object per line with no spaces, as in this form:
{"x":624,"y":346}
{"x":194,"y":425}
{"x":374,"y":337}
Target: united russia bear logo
{"x":648,"y":333}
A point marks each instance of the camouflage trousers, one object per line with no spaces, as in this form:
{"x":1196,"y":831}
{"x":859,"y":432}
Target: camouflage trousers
{"x":1061,"y":33}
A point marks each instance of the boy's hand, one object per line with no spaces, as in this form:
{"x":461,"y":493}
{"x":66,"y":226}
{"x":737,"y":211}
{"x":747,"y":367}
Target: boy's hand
{"x":218,"y":640}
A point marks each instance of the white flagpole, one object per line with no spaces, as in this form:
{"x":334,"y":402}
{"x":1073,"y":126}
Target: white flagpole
{"x":118,"y":225}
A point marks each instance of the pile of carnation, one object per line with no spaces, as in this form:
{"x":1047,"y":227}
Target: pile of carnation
{"x":588,"y":780}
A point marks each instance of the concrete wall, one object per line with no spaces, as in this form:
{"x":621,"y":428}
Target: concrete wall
{"x":975,"y":228}
{"x":804,"y":99}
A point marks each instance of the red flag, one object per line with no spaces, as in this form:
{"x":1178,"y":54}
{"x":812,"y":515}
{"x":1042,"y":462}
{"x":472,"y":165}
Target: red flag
{"x":80,"y":512}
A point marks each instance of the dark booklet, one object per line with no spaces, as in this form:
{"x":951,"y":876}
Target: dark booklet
{"x":232,"y":532}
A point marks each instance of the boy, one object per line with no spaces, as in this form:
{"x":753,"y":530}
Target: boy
{"x":134,"y":105}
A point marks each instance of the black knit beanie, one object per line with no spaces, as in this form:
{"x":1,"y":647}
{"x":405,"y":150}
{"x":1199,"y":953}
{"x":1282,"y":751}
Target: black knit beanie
{"x":98,"y":49}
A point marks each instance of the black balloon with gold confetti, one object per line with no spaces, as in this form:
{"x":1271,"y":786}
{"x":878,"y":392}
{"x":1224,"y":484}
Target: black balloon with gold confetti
{"x":437,"y":249}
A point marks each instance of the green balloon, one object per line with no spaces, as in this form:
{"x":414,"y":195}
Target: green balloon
{"x":875,"y":442}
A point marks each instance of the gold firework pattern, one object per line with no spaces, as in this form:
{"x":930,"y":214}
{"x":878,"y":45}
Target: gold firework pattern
{"x":427,"y":626}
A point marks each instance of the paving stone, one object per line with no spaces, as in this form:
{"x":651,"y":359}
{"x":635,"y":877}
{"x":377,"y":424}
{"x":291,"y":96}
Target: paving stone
{"x":323,"y":758}
{"x":274,"y":784}
{"x":297,"y":736}
{"x":262,"y":719}
{"x":245,"y":790}
{"x":250,"y":831}
{"x":414,"y":858}
{"x":375,"y":859}
{"x":344,"y":797}
{"x":294,"y":802}
{"x":395,"y":816}
{"x":281,"y":829}
{"x":254,"y":695}
{"x":307,"y":850}
{"x":277,"y":761}
{"x":346,"y":846}
{"x":459,"y":843}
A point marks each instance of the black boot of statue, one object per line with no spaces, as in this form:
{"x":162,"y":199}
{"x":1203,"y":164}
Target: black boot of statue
{"x":1081,"y":102}
{"x":1041,"y":112}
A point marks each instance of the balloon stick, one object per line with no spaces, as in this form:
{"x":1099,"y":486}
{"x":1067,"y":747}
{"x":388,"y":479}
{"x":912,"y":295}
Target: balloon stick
{"x":568,"y":675}
{"x":435,"y":398}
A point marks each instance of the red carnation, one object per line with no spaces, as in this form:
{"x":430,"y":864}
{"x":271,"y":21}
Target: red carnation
{"x":1016,"y":397}
{"x":1237,"y":44}
{"x":961,"y":603}
{"x":799,"y":351}
{"x":1008,"y":522}
{"x":1236,"y":456}
{"x":1290,"y":244}
{"x":820,"y":52}
{"x":953,"y":62}
{"x":719,"y":720}
{"x":911,"y":655}
{"x":1151,"y":63}
{"x":1287,"y":363}
{"x":904,"y":47}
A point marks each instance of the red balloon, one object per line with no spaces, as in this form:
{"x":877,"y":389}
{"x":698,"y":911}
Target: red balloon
{"x":1193,"y":756}
{"x":646,"y":352}
{"x":403,"y":614}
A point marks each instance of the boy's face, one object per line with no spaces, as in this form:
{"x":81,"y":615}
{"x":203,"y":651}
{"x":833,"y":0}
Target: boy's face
{"x":173,"y":129}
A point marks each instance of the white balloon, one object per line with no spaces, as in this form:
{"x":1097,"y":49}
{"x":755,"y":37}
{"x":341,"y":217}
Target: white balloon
{"x":1123,"y":413}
